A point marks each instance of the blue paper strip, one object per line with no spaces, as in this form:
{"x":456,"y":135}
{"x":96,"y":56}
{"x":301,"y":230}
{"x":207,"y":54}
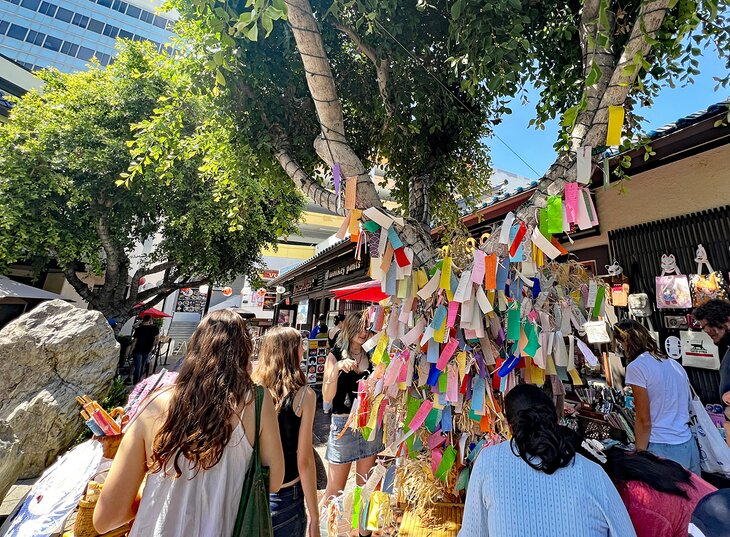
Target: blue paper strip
{"x":502,"y":273}
{"x":508,"y":366}
{"x":439,"y":317}
{"x":446,"y":425}
{"x":475,"y":450}
{"x":389,"y":479}
{"x":433,"y":376}
{"x":391,"y":284}
{"x":535,"y":287}
{"x":394,"y":238}
{"x":432,"y":354}
{"x":477,"y":399}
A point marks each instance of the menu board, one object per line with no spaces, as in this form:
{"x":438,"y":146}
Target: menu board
{"x":190,"y":301}
{"x":314,"y":359}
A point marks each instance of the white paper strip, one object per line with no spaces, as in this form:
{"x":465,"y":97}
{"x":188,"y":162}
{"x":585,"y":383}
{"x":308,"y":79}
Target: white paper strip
{"x":545,"y":245}
{"x":477,"y":322}
{"x":483,"y":301}
{"x":561,"y":353}
{"x":587,"y":353}
{"x":371,"y":343}
{"x":461,"y":291}
{"x":376,"y":216}
{"x":414,"y":333}
{"x":506,"y":226}
{"x":592,"y":293}
{"x":383,"y":244}
{"x":430,"y":287}
{"x":584,"y":164}
{"x":571,"y":353}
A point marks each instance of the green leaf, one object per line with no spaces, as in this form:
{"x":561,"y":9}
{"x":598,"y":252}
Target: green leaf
{"x":267,"y":23}
{"x":593,"y":76}
{"x":252,"y":34}
{"x":456,"y":9}
{"x":220,"y":78}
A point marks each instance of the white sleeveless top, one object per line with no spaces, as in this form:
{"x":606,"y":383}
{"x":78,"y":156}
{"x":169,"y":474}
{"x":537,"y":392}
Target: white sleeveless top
{"x":203,"y":504}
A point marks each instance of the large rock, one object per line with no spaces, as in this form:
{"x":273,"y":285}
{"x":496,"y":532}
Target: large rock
{"x":48,"y":357}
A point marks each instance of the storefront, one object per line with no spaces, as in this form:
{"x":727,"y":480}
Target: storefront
{"x":309,"y":287}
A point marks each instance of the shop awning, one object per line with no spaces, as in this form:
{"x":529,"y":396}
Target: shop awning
{"x":12,"y":289}
{"x":363,"y":292}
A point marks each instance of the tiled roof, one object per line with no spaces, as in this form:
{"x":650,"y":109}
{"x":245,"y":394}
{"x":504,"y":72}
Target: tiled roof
{"x":686,"y":121}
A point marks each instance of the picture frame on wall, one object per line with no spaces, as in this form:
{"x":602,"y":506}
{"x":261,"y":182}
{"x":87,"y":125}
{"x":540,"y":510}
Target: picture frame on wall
{"x":590,"y":266}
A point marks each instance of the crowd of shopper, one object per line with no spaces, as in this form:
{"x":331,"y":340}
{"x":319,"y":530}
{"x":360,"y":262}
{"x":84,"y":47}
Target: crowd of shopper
{"x":192,"y":443}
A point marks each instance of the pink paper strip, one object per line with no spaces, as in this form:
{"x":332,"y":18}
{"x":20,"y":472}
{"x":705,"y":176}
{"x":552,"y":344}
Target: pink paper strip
{"x":477,"y":271}
{"x":393,"y":371}
{"x":381,"y":412}
{"x":435,"y":440}
{"x":436,"y":456}
{"x":452,"y":386}
{"x":446,"y":354}
{"x":420,"y":415}
{"x":571,"y":201}
{"x":453,"y":310}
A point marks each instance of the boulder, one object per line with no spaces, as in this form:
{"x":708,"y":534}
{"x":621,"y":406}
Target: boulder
{"x":49,"y":356}
{"x":10,"y":457}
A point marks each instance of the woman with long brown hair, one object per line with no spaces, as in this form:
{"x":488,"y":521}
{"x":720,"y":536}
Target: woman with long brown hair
{"x":661,"y":396}
{"x":193,"y":442}
{"x":346,"y":365}
{"x":279,"y":369}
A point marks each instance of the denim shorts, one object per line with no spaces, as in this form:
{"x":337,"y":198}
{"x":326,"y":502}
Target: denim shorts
{"x":687,"y":454}
{"x":288,"y":516}
{"x":352,"y":446}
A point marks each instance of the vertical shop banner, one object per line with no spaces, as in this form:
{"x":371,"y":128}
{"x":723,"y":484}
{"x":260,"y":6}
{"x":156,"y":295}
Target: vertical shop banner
{"x":698,"y":350}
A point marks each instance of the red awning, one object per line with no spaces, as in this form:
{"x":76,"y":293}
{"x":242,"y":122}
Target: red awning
{"x":154,"y":313}
{"x":363,"y":292}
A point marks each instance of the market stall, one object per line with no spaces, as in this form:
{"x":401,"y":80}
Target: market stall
{"x":452,"y":338}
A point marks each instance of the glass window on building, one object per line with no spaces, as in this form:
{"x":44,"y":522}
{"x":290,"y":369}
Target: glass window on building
{"x":31,"y":4}
{"x":80,"y":20}
{"x":35,"y":37}
{"x":103,"y":58}
{"x":96,"y":26}
{"x":85,"y":53}
{"x":68,"y":49}
{"x":111,"y":31}
{"x":119,"y":6}
{"x":3,"y":27}
{"x":17,"y":2}
{"x":124,"y":34}
{"x":64,"y":14}
{"x":133,"y":11}
{"x":52,"y":43}
{"x":146,"y":16}
{"x":48,"y":9}
{"x":105,"y":3}
{"x":17,"y":32}
{"x":160,"y":22}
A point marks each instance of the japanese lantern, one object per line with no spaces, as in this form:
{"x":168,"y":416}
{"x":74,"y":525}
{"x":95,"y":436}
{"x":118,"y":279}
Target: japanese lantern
{"x":186,"y":291}
{"x":227,"y":291}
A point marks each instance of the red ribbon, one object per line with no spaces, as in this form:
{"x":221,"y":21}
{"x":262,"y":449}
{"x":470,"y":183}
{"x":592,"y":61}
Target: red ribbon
{"x":521,"y":232}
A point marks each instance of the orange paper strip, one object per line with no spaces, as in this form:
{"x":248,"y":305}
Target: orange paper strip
{"x":350,"y":192}
{"x":355,"y":215}
{"x":387,"y":258}
{"x":490,"y":272}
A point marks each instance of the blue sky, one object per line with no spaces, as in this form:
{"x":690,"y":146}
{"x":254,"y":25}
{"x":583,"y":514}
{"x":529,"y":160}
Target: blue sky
{"x":536,"y":146}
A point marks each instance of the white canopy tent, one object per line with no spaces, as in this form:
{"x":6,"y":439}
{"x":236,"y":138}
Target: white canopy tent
{"x":12,"y":289}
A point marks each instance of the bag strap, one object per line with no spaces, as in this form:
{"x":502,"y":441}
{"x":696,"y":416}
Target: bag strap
{"x":259,"y":396}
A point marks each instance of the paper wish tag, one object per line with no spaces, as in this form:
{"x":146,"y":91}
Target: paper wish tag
{"x":587,"y":353}
{"x":597,"y":332}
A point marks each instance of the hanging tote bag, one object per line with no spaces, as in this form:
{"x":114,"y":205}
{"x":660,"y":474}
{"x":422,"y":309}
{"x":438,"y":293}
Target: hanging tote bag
{"x":705,"y":288}
{"x":672,"y":287}
{"x":254,"y":513}
{"x":714,"y":452}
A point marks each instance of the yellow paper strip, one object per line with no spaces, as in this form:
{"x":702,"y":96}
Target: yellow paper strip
{"x":550,"y":366}
{"x":461,"y":361}
{"x":615,"y":125}
{"x":355,"y":215}
{"x":422,"y":278}
{"x":575,"y":377}
{"x":445,"y":282}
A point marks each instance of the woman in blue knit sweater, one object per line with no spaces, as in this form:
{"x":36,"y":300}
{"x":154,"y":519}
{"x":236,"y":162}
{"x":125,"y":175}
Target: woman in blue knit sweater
{"x":536,"y":485}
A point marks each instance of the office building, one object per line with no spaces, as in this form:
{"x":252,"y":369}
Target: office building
{"x":67,"y":34}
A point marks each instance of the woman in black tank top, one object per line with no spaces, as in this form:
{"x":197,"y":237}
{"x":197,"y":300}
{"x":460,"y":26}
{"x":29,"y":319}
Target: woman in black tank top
{"x":346,"y":365}
{"x":279,"y":370}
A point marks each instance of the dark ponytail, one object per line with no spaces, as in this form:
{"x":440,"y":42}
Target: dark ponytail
{"x":536,"y":436}
{"x":662,"y":475}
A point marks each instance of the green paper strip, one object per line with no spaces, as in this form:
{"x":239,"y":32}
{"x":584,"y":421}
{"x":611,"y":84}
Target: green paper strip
{"x":366,"y":432}
{"x":371,"y":226}
{"x":545,"y":223}
{"x":555,"y":214}
{"x":587,"y":200}
{"x":356,"y":506}
{"x":447,"y":463}
{"x":412,"y":406}
{"x":443,"y":382}
{"x":514,"y":324}
{"x":600,"y":295}
{"x":433,"y":419}
{"x":533,"y":342}
{"x":463,"y":480}
{"x":475,"y":417}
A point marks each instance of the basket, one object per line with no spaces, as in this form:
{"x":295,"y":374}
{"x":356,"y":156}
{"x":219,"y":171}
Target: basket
{"x":449,"y":516}
{"x":110,"y":444}
{"x":84,"y":525}
{"x":599,"y":429}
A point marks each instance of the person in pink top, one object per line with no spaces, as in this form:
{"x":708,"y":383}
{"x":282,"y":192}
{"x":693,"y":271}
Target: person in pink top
{"x":660,"y":495}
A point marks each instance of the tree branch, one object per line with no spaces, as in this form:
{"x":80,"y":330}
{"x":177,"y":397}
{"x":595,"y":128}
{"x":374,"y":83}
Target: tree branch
{"x":382,"y":67}
{"x":111,"y":274}
{"x":81,"y":288}
{"x":165,"y":287}
{"x":331,"y":146}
